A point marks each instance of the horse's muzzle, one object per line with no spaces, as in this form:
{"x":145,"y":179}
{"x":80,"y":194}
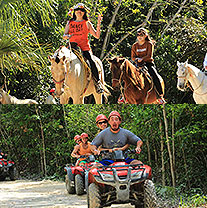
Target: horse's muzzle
{"x":59,"y":93}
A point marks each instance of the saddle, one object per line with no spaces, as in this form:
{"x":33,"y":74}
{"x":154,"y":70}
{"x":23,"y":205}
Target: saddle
{"x":138,"y":74}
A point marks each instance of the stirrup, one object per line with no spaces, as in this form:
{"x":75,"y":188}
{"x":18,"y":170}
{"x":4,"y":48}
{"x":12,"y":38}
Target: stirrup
{"x":161,"y":100}
{"x":98,"y":86}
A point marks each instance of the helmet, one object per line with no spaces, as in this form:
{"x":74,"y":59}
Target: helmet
{"x":114,"y":113}
{"x":78,"y":6}
{"x":84,"y":135}
{"x":101,"y":117}
{"x":52,"y":90}
{"x":77,"y":137}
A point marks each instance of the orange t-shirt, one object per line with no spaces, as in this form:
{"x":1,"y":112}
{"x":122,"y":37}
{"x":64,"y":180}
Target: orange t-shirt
{"x":83,"y":151}
{"x":80,"y":31}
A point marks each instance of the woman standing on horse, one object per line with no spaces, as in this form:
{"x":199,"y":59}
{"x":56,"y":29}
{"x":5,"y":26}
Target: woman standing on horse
{"x":77,"y":30}
{"x":142,"y":52}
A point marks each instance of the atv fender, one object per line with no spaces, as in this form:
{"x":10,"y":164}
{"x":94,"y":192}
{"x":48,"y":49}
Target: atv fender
{"x":70,"y":174}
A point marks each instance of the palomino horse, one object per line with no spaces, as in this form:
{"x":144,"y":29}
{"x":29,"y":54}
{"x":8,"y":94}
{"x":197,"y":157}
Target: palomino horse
{"x":137,"y":87}
{"x":5,"y":98}
{"x":68,"y":70}
{"x":198,"y":80}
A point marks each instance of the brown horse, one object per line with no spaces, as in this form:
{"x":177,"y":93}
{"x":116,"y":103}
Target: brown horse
{"x":138,"y":88}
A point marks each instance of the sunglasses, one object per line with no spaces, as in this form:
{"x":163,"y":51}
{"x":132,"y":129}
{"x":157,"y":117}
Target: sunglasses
{"x":82,"y":10}
{"x":102,"y":122}
{"x":78,"y":141}
{"x":141,"y":34}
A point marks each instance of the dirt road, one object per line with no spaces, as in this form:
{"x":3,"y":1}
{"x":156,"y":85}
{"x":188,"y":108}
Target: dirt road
{"x":46,"y":193}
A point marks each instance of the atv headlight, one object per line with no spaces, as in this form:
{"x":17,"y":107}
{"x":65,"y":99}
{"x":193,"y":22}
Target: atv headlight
{"x":136,"y":175}
{"x":107,"y":177}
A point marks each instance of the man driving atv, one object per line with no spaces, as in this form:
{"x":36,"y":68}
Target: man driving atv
{"x":116,"y":138}
{"x":82,"y":148}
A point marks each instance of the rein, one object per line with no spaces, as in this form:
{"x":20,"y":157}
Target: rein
{"x":58,"y":82}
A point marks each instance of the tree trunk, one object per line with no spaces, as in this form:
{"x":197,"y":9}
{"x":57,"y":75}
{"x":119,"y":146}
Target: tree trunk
{"x":43,"y":142}
{"x":162,"y":154}
{"x":109,"y":30}
{"x":173,"y":138}
{"x":148,"y":151}
{"x":168,"y":146}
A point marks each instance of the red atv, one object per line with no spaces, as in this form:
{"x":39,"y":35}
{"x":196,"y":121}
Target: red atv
{"x":121,"y":183}
{"x":7,"y":169}
{"x":75,"y":175}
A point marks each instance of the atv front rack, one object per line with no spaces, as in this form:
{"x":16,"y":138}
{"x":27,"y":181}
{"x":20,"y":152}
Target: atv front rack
{"x":109,"y":175}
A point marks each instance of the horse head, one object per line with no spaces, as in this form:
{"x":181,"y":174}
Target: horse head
{"x":115,"y":68}
{"x":58,"y":70}
{"x":183,"y":75}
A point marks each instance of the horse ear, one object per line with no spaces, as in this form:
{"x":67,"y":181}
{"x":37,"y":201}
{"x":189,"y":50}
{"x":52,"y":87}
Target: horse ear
{"x":178,"y":63}
{"x":2,"y":87}
{"x":112,"y":60}
{"x":51,"y":58}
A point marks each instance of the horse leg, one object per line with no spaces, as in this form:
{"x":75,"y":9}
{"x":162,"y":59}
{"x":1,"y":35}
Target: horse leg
{"x":98,"y":98}
{"x":64,"y":98}
{"x":78,"y":100}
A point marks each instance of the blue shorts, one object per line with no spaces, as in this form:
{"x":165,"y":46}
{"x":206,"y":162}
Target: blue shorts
{"x":106,"y":162}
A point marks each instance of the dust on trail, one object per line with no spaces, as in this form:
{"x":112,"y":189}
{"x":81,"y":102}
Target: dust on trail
{"x":46,"y":193}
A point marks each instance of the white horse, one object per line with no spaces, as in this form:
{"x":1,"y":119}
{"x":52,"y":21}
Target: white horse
{"x":68,"y":70}
{"x":198,"y":80}
{"x":5,"y":98}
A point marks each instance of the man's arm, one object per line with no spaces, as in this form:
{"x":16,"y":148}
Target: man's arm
{"x":75,"y":151}
{"x":94,"y":149}
{"x":138,"y":148}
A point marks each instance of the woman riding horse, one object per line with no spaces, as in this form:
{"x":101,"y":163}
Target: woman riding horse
{"x":77,"y":30}
{"x":142,"y":52}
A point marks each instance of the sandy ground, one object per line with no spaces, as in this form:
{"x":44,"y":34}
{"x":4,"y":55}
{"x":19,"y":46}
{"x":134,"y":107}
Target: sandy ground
{"x":46,"y":193}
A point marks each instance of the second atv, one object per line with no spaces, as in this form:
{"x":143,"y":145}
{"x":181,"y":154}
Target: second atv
{"x":75,"y":175}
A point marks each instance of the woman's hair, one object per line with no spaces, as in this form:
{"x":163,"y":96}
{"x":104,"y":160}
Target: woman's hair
{"x":144,"y":32}
{"x":85,"y":17}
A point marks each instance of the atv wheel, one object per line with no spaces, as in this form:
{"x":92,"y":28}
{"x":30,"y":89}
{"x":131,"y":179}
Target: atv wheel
{"x":94,"y":196}
{"x":2,"y":178}
{"x":12,"y":174}
{"x":150,"y":199}
{"x":69,"y":187}
{"x":79,"y":185}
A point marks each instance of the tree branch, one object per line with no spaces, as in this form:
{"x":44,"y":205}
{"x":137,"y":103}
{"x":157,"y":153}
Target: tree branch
{"x":131,"y":32}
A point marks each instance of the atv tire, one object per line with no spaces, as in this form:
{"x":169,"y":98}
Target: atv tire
{"x":12,"y":174}
{"x":2,"y":178}
{"x":79,"y":185}
{"x":69,"y":187}
{"x":150,"y":198}
{"x":94,"y":196}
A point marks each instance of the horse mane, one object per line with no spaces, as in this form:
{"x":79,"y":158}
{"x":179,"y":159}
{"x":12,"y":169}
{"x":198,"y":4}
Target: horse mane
{"x":134,"y":73}
{"x":194,"y":69}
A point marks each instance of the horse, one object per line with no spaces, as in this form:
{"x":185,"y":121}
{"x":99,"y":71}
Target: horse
{"x":138,"y":88}
{"x":68,"y":71}
{"x":5,"y":98}
{"x":188,"y":73}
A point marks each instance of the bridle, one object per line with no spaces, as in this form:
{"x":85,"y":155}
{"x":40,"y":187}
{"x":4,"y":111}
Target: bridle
{"x":120,"y":80}
{"x":187,"y":82}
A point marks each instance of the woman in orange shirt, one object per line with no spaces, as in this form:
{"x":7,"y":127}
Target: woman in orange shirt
{"x":77,"y":30}
{"x":142,"y":52}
